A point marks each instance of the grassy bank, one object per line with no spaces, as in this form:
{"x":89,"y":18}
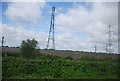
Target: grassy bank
{"x":54,"y":67}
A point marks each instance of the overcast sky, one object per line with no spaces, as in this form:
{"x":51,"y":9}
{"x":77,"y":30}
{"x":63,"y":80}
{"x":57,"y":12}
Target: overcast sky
{"x":78,"y":25}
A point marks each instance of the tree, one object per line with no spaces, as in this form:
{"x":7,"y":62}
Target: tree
{"x":28,"y":48}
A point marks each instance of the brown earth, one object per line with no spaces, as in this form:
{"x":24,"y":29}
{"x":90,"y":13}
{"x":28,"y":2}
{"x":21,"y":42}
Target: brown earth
{"x":62,"y":53}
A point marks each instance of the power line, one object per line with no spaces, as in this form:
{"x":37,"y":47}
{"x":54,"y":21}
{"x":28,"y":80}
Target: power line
{"x":51,"y":31}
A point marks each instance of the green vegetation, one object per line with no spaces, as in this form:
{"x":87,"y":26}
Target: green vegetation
{"x":28,"y":48}
{"x":68,"y":58}
{"x":11,"y":54}
{"x":105,"y":59}
{"x":55,"y":67}
{"x":29,"y":64}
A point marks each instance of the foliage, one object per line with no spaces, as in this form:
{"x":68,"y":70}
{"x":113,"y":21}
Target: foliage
{"x":46,"y":68}
{"x":11,"y":54}
{"x":68,"y":58}
{"x":48,"y":57}
{"x":28,"y":48}
{"x":105,"y":59}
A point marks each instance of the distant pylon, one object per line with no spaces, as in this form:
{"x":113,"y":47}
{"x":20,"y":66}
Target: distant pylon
{"x":2,"y":44}
{"x":51,"y":31}
{"x":95,"y":48}
{"x":2,"y":41}
{"x":106,"y":48}
{"x":109,"y":45}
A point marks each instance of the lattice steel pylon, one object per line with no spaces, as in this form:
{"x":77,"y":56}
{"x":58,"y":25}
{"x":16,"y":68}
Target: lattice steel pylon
{"x":2,"y":41}
{"x":109,"y":45}
{"x":51,"y":40}
{"x":95,"y":48}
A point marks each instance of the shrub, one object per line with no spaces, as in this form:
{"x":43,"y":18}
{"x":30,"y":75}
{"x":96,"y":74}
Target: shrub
{"x":86,"y":58}
{"x":68,"y":58}
{"x":28,"y":48}
{"x":11,"y":54}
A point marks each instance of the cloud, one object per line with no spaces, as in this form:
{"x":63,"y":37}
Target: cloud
{"x":79,"y":28}
{"x":23,"y":0}
{"x":70,"y":42}
{"x":15,"y":35}
{"x":106,"y":12}
{"x":90,"y":23}
{"x":24,"y":12}
{"x":61,"y":0}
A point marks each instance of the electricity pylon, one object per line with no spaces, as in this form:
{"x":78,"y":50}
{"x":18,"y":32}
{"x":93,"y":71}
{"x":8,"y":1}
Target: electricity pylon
{"x":2,"y":40}
{"x":51,"y":31}
{"x":109,"y":45}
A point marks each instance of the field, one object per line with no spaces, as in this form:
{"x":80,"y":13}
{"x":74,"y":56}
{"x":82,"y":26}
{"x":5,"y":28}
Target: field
{"x":55,"y":67}
{"x":65,"y":53}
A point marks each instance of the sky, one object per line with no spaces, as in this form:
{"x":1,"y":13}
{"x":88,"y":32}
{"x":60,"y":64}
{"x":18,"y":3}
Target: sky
{"x":79,"y":26}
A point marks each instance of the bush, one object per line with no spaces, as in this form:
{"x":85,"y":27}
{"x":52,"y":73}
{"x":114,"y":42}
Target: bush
{"x":11,"y":54}
{"x":47,"y":57}
{"x":28,"y":48}
{"x":86,"y":58}
{"x":105,"y":59}
{"x":68,"y":58}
